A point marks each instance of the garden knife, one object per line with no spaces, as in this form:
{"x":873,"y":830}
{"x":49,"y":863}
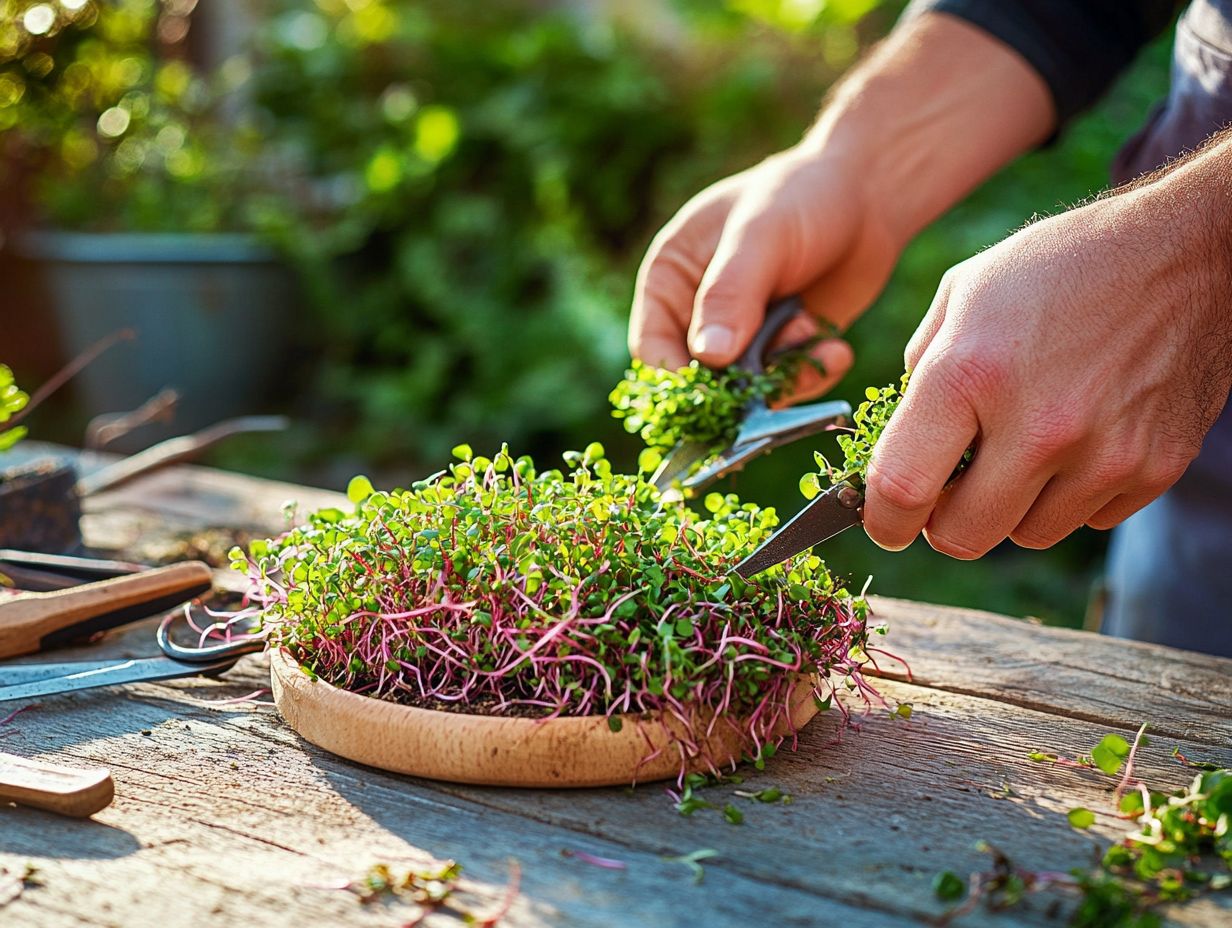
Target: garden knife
{"x":839,"y":508}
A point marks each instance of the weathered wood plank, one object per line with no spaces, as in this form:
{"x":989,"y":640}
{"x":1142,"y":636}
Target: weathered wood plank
{"x":1078,"y":674}
{"x":873,"y":818}
{"x":222,"y":811}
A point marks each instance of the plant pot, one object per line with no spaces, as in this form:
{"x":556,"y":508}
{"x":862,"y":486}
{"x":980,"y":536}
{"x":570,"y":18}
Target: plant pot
{"x":39,"y":507}
{"x":211,"y":314}
{"x":574,"y":751}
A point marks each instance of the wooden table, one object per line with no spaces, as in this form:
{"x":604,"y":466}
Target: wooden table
{"x":223,"y":816}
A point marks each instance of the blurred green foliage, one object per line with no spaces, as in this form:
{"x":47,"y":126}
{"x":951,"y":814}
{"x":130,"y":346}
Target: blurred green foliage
{"x":467,"y":186}
{"x":112,"y":127}
{"x":493,"y":173}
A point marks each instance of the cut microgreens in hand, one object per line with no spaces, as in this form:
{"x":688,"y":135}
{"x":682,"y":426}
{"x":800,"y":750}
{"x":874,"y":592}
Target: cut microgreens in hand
{"x":500,"y":589}
{"x":868,"y":422}
{"x":695,"y":403}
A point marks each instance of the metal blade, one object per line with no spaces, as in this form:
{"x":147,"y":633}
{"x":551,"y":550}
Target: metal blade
{"x":730,"y":460}
{"x":833,"y":511}
{"x":140,"y":670}
{"x":791,"y":423}
{"x":678,"y":463}
{"x":18,"y":674}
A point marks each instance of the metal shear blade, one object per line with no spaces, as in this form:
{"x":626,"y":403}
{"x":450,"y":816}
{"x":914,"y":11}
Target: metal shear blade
{"x":837,"y":509}
{"x":68,"y":678}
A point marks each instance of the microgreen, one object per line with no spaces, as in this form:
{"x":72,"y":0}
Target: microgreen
{"x":494,"y":587}
{"x":12,"y":401}
{"x":949,"y":886}
{"x":1081,"y":818}
{"x":693,"y":861}
{"x":696,"y":403}
{"x":868,"y":423}
{"x":770,"y":794}
{"x":427,"y":887}
{"x":1180,"y":847}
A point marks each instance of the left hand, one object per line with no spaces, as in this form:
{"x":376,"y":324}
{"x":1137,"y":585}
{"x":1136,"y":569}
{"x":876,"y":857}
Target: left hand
{"x":1086,"y":357}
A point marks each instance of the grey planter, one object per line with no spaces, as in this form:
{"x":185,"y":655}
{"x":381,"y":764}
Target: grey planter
{"x":211,"y":313}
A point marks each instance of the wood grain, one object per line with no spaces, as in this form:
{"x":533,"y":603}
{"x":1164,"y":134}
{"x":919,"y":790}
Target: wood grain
{"x":1077,"y":674}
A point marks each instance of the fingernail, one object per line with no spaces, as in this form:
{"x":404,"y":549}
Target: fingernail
{"x":713,"y":339}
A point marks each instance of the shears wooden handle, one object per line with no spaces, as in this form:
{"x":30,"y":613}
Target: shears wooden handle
{"x":32,"y":622}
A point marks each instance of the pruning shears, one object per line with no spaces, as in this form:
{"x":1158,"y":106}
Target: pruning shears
{"x":71,"y":610}
{"x":762,"y":429}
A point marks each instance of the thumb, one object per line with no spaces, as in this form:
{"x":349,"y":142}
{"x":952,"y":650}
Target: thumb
{"x":731,"y":299}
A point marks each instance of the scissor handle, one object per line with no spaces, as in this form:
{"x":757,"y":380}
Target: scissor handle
{"x":31,"y":622}
{"x":204,"y":655}
{"x":777,"y":315}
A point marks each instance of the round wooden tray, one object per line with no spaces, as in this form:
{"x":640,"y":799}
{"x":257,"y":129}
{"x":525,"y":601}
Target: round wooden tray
{"x":571,"y":751}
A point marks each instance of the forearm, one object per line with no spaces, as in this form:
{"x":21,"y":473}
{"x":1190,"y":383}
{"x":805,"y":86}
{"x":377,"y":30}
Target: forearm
{"x":929,"y":115}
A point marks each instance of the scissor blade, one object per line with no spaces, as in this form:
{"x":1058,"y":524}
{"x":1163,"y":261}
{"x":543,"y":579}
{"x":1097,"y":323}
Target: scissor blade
{"x":679,"y":461}
{"x":833,"y":511}
{"x":140,"y":670}
{"x":32,"y":673}
{"x":791,"y":423}
{"x":730,"y":460}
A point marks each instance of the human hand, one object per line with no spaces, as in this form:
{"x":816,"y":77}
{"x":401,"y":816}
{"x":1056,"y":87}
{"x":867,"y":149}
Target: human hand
{"x":799,"y":222}
{"x":1086,"y":357}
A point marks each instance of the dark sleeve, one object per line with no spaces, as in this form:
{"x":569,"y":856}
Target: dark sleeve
{"x":1077,"y":46}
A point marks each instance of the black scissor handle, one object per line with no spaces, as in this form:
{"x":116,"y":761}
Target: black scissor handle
{"x":777,"y":315}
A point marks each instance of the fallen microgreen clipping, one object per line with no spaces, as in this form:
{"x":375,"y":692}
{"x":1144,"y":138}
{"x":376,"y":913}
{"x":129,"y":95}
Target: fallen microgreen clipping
{"x":696,"y":403}
{"x":431,"y":889}
{"x":1180,"y":847}
{"x":1196,"y":764}
{"x":693,"y":862}
{"x":496,"y":588}
{"x":427,"y":887}
{"x":770,"y":795}
{"x":604,"y":863}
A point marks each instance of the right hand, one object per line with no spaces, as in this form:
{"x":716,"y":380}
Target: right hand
{"x":799,"y":222}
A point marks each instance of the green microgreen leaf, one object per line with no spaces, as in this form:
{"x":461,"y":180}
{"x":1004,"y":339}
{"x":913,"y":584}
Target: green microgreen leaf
{"x":1081,"y":818}
{"x":949,"y":886}
{"x":359,"y":489}
{"x":1110,"y":753}
{"x":693,"y":861}
{"x":733,"y":815}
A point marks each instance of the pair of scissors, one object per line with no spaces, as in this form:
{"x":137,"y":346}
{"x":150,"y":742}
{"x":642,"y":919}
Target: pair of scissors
{"x":762,"y":429}
{"x":837,"y":509}
{"x":32,"y":622}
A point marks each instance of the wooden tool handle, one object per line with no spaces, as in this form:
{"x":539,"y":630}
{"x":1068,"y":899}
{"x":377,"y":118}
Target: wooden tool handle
{"x":65,"y":790}
{"x":34,"y":621}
